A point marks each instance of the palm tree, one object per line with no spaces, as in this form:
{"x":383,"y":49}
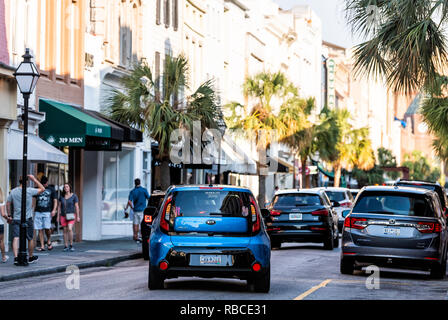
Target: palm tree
{"x":405,"y":41}
{"x":312,"y":138}
{"x":352,"y":148}
{"x":160,"y":109}
{"x":261,"y":122}
{"x":407,"y":46}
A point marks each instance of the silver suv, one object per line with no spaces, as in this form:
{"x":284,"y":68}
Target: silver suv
{"x":399,"y":227}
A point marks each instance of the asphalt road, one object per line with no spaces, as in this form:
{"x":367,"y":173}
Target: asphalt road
{"x":299,"y":271}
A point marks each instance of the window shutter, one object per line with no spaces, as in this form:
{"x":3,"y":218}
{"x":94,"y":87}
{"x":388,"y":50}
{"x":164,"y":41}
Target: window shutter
{"x":157,"y":69}
{"x":158,"y":5}
{"x":167,"y":13}
{"x":175,"y":15}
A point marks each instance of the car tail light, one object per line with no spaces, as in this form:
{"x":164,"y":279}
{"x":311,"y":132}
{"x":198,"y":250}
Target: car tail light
{"x":163,"y":265}
{"x":318,"y":229}
{"x":346,"y":204}
{"x":106,"y":206}
{"x":148,"y":218}
{"x":276,"y":212}
{"x":323,"y":212}
{"x":255,"y":216}
{"x":166,"y":215}
{"x":272,"y":229}
{"x":429,"y":227}
{"x":256,"y":267}
{"x":355,"y":223}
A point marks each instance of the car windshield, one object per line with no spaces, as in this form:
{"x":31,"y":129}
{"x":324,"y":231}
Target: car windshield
{"x":204,"y":203}
{"x":295,"y":200}
{"x":336,"y":195}
{"x":399,"y":204}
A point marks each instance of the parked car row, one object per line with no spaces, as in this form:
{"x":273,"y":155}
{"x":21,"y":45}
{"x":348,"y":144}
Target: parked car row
{"x":220,"y":231}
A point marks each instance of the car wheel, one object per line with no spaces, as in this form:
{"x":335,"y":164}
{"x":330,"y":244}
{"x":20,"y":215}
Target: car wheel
{"x":263,"y":283}
{"x":438,"y":271}
{"x":275,"y":244}
{"x":336,"y":241}
{"x":155,"y":279}
{"x":329,"y":243}
{"x":145,"y":249}
{"x":347,"y":266}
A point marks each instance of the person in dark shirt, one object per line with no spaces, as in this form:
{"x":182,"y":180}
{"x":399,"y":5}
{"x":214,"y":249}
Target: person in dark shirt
{"x":46,"y":206}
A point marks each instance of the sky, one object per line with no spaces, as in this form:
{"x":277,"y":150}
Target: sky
{"x":331,"y":12}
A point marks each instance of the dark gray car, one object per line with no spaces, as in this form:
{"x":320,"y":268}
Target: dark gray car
{"x":395,"y":227}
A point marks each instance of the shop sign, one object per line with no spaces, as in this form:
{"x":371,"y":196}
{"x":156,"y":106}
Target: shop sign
{"x":331,"y":76}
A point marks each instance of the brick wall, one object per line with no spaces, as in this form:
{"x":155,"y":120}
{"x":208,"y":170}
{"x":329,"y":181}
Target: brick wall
{"x":4,"y":56}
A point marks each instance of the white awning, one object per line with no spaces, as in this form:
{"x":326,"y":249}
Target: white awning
{"x":38,"y":149}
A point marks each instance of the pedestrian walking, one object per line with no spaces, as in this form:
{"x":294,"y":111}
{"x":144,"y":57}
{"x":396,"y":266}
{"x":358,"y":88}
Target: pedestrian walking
{"x":3,"y":217}
{"x":137,"y":201}
{"x":15,"y":199}
{"x":46,"y":206}
{"x":68,"y":213}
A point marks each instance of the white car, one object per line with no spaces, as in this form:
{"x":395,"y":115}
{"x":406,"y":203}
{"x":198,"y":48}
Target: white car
{"x":345,"y":199}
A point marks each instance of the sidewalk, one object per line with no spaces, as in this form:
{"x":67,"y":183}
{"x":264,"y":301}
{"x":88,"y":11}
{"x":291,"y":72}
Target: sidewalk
{"x":87,"y":254}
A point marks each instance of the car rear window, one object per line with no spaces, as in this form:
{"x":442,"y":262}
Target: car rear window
{"x":296,"y":200}
{"x":398,"y":204}
{"x":336,"y":195}
{"x":205,"y":203}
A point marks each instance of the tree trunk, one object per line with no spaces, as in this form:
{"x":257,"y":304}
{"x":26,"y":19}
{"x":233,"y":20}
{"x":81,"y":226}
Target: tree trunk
{"x":337,"y":174}
{"x":305,"y":181}
{"x":165,"y":176}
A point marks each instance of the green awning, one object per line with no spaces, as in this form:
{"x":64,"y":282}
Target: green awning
{"x":67,"y":125}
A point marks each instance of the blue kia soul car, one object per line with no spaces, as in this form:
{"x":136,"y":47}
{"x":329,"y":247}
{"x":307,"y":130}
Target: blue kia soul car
{"x":210,"y":232}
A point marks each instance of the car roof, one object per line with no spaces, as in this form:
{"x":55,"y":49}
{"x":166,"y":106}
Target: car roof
{"x":207,"y":186}
{"x":299,"y":191}
{"x":397,"y":189}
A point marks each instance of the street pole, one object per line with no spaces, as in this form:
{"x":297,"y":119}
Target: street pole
{"x":22,"y":258}
{"x":26,"y":76}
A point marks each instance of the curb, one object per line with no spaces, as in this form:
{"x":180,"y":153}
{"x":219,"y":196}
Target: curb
{"x":81,"y":265}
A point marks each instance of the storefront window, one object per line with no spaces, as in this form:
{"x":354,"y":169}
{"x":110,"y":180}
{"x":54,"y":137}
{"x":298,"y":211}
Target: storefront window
{"x":118,"y":179}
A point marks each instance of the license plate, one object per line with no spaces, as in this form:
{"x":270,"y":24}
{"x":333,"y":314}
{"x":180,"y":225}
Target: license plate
{"x":210,"y":260}
{"x":221,"y":260}
{"x":392,"y":231}
{"x":295,"y":216}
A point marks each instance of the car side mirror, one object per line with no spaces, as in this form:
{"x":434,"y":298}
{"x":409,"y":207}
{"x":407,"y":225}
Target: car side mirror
{"x":335,"y":204}
{"x":345,"y":213}
{"x":265,"y":213}
{"x":150,"y":211}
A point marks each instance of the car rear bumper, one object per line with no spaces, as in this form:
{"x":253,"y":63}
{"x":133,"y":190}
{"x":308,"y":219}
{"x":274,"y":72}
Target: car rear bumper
{"x":391,"y":257}
{"x":300,"y":235}
{"x":178,"y":259}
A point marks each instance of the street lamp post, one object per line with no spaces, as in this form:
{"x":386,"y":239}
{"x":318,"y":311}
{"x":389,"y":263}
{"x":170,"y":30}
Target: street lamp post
{"x":26,"y":76}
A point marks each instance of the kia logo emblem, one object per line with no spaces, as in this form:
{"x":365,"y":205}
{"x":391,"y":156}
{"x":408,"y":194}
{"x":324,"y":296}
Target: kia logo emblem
{"x":211,"y":222}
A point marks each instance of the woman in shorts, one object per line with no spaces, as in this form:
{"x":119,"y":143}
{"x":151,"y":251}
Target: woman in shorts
{"x":68,"y":212}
